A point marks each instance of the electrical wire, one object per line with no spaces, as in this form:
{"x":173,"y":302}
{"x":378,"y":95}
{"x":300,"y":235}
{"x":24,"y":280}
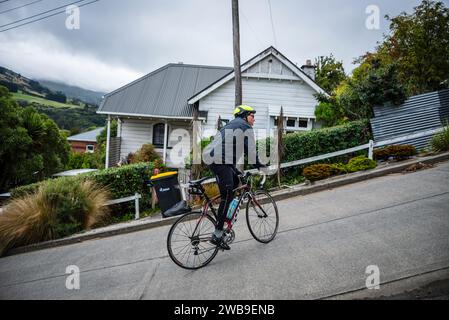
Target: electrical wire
{"x":51,"y":15}
{"x":272,"y":23}
{"x":25,"y":5}
{"x":39,"y":14}
{"x":251,"y":28}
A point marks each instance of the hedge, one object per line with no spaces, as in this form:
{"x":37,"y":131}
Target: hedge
{"x":121,"y":181}
{"x":317,"y":142}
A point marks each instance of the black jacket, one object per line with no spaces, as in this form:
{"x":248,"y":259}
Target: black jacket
{"x":231,"y":143}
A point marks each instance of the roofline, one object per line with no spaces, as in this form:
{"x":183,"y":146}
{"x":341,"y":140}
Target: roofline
{"x":81,"y":140}
{"x":147,"y":115}
{"x":157,"y":71}
{"x":161,"y":69}
{"x":257,"y":58}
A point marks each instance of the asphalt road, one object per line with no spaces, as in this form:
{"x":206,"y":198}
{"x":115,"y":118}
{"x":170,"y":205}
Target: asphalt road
{"x":326,"y":241}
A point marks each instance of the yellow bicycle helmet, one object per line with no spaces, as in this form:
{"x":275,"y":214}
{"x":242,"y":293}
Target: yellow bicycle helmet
{"x":242,"y":111}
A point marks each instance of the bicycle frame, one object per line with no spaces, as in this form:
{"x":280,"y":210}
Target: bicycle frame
{"x":246,"y":188}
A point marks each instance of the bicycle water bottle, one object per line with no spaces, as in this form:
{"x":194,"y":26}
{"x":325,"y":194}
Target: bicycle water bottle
{"x":232,"y":209}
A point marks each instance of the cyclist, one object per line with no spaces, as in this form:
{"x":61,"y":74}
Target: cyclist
{"x":224,"y":152}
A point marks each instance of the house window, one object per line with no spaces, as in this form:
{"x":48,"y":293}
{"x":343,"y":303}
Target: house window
{"x":291,"y":123}
{"x":303,"y":123}
{"x":158,"y":135}
{"x":90,"y":148}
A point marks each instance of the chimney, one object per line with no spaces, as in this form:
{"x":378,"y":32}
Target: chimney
{"x":309,"y":69}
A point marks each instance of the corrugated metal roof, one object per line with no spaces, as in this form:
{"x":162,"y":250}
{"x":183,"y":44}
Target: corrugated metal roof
{"x":419,"y":113}
{"x":89,"y":136}
{"x":163,"y":92}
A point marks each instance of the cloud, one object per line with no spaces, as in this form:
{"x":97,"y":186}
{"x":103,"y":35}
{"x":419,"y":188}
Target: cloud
{"x":122,"y":40}
{"x":43,"y":56}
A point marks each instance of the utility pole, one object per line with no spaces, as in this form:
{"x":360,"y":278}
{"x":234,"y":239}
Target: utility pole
{"x":236,"y":41}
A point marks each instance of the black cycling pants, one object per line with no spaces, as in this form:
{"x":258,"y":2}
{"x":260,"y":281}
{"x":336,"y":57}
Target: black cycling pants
{"x":227,"y":180}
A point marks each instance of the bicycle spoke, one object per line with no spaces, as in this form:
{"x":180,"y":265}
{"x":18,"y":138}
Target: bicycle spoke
{"x":189,"y":241}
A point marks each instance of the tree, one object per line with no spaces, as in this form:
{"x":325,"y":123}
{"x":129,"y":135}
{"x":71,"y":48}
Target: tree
{"x":329,"y":73}
{"x":380,"y":86}
{"x":419,"y":43}
{"x":32,"y":147}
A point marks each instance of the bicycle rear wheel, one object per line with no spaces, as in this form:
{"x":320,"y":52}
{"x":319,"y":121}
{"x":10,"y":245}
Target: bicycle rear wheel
{"x":188,"y":241}
{"x":262,"y":217}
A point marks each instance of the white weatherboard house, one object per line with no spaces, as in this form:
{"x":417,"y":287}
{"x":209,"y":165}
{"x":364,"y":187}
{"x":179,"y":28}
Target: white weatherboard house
{"x":150,"y":109}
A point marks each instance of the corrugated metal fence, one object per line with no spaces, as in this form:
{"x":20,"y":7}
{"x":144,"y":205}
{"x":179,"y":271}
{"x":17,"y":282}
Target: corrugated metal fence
{"x":418,"y":113}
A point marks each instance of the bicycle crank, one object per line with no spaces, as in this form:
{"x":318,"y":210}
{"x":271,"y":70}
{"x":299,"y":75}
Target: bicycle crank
{"x":229,"y":236}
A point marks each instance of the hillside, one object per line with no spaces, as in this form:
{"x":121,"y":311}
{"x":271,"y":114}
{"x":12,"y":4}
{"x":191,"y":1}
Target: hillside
{"x":69,"y":113}
{"x":15,"y":82}
{"x":73,"y":92}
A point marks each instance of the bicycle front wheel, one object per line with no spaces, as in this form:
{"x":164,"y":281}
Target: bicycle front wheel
{"x":262,"y":216}
{"x":188,"y":241}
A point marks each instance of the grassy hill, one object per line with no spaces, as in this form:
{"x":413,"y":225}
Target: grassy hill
{"x":20,"y":96}
{"x":72,"y":114}
{"x":73,"y":92}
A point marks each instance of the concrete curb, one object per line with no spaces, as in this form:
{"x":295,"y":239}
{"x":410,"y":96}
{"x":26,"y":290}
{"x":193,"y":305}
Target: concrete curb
{"x":155,"y":222}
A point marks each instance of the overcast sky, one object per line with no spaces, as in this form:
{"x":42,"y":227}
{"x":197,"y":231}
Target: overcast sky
{"x":119,"y":41}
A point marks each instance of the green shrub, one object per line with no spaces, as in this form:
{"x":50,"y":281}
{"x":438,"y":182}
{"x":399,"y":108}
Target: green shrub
{"x":126,"y":180}
{"x":85,"y":161}
{"x":440,"y":141}
{"x":360,"y":163}
{"x":145,"y":154}
{"x":398,"y":152}
{"x":324,"y":171}
{"x":59,"y":208}
{"x":121,"y":181}
{"x":320,"y":171}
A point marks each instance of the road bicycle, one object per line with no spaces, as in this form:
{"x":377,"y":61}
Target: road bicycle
{"x":188,"y":240}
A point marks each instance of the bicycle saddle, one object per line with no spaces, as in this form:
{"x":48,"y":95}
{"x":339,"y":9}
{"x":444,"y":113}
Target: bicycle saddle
{"x":198,"y":182}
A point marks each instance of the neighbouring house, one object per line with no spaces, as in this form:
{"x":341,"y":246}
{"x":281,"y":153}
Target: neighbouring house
{"x":85,"y":142}
{"x":150,"y":109}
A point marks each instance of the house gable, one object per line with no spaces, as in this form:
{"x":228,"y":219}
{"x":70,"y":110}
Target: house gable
{"x":281,"y":68}
{"x":270,"y":68}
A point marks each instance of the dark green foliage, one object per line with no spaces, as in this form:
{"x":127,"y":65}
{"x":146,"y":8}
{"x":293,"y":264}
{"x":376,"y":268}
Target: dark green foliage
{"x":12,"y":87}
{"x":309,"y":144}
{"x":329,"y":73}
{"x":56,"y":96}
{"x":419,"y":42}
{"x":379,"y":87}
{"x":85,"y":161}
{"x":329,"y":113}
{"x":68,"y":118}
{"x":32,"y":148}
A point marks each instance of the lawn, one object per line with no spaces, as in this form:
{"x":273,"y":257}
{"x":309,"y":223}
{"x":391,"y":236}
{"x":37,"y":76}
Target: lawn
{"x":42,"y":101}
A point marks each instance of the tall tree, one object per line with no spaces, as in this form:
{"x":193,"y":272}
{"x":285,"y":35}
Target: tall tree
{"x":329,"y":73}
{"x":419,"y":43}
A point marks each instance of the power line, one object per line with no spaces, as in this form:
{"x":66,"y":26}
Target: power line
{"x":4,"y":1}
{"x":39,"y":14}
{"x":272,"y":23}
{"x":251,"y":28}
{"x":51,"y":15}
{"x":25,"y":5}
